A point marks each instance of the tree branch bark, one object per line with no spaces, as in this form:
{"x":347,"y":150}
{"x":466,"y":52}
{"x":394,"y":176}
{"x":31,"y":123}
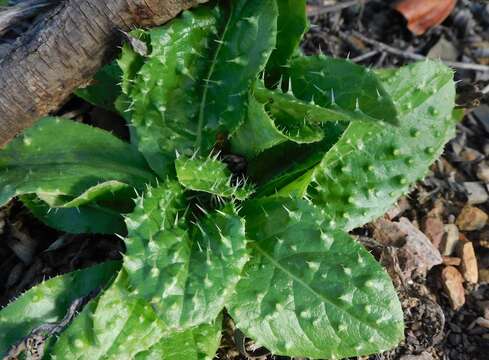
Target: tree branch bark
{"x":65,"y":50}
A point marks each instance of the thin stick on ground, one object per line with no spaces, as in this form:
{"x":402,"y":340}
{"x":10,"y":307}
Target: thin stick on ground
{"x":413,"y":56}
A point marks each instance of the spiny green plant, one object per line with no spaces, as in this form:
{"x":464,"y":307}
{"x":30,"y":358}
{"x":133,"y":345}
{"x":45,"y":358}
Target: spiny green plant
{"x":248,"y":164}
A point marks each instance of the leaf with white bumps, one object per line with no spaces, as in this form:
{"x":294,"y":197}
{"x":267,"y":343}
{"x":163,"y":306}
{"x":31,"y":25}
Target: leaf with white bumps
{"x":349,"y":91}
{"x":198,"y":343}
{"x":49,"y":301}
{"x":371,"y":166}
{"x":116,"y":325}
{"x":195,"y":82}
{"x":210,"y":175}
{"x":309,"y":291}
{"x":61,"y":157}
{"x":186,"y":272}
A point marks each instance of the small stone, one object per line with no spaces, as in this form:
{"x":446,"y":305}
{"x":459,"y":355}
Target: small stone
{"x":468,"y":266}
{"x":453,"y":285}
{"x":471,"y":218}
{"x":484,"y":276}
{"x":468,"y":154}
{"x":451,"y":261}
{"x":450,"y":239}
{"x":419,"y":253}
{"x":433,"y":228}
{"x":483,"y":171}
{"x":476,"y":193}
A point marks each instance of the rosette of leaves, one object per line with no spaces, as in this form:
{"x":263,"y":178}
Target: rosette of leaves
{"x":248,"y":165}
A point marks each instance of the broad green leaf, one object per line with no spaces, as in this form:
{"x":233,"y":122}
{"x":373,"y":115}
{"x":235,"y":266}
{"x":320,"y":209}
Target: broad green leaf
{"x":87,"y":219}
{"x":198,"y":343}
{"x":349,"y":91}
{"x":362,"y":176}
{"x":116,"y":325}
{"x":195,"y":81}
{"x":49,"y":301}
{"x":61,"y":157}
{"x":210,"y":175}
{"x":291,"y":26}
{"x":248,"y":39}
{"x":105,"y":88}
{"x":185,"y":272}
{"x":309,"y":291}
{"x":262,"y":130}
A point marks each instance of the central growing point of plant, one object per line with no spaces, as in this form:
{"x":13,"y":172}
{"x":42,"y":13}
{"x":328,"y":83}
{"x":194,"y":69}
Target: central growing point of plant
{"x":248,"y":165}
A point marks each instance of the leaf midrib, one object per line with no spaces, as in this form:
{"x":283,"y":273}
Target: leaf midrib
{"x":220,"y":41}
{"x":310,"y":289}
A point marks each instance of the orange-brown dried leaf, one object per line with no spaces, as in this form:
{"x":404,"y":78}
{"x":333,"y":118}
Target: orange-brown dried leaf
{"x":422,"y":15}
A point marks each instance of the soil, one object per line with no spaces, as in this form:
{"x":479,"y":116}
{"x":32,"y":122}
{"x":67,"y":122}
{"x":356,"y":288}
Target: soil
{"x":30,"y":252}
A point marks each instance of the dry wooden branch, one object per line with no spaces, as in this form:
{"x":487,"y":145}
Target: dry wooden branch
{"x":65,"y":50}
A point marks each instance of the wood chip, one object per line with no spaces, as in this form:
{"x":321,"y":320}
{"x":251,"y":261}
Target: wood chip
{"x":471,"y":218}
{"x":468,"y":266}
{"x":452,"y":283}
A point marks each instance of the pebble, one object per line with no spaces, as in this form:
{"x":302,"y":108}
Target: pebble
{"x":469,"y":154}
{"x":452,"y":261}
{"x":476,"y":192}
{"x":450,"y":239}
{"x":483,"y":171}
{"x":468,"y":265}
{"x":452,"y":282}
{"x":434,"y":229}
{"x":471,"y":218}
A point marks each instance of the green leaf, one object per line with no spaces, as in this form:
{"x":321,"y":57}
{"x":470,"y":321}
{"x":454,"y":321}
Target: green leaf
{"x":309,"y":291}
{"x":116,"y":325}
{"x":187,"y":273}
{"x":199,"y":57}
{"x":362,"y":176}
{"x":248,"y":39}
{"x":105,"y":88}
{"x":49,"y":301}
{"x":263,"y":130}
{"x":211,"y":176}
{"x":108,"y":191}
{"x":87,"y":219}
{"x":291,"y":26}
{"x":198,"y":343}
{"x":62,"y":157}
{"x":350,"y":91}
{"x":285,"y":163}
